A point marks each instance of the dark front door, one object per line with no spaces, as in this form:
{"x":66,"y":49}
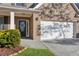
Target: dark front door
{"x":22,"y":28}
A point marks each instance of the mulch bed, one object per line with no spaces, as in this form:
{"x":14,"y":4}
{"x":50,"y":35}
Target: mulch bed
{"x":9,"y":51}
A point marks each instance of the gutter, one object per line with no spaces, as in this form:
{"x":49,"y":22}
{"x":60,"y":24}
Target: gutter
{"x":20,"y":9}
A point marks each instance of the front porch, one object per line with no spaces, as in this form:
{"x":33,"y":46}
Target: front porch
{"x":24,"y":24}
{"x":14,"y":18}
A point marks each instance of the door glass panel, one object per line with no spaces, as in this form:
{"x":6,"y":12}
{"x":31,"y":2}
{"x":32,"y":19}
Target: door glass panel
{"x":22,"y":27}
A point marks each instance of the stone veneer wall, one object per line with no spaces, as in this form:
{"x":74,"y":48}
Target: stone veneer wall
{"x":57,"y":12}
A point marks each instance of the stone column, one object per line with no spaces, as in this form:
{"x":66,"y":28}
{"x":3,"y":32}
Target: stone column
{"x":35,"y":27}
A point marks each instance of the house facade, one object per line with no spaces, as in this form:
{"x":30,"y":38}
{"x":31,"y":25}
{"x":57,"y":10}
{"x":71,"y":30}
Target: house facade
{"x":18,"y":16}
{"x":41,"y":21}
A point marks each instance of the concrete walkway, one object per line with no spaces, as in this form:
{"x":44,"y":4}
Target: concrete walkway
{"x":32,"y":44}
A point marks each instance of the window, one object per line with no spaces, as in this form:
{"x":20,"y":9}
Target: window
{"x":77,"y":5}
{"x":1,"y":20}
{"x":33,"y":5}
{"x":18,"y":4}
{"x":6,"y":20}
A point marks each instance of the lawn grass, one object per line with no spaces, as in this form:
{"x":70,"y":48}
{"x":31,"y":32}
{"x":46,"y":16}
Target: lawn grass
{"x":35,"y":52}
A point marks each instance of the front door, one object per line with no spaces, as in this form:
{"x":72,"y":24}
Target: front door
{"x":22,"y":28}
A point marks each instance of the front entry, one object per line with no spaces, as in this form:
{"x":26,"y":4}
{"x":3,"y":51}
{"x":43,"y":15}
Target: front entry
{"x":22,"y":28}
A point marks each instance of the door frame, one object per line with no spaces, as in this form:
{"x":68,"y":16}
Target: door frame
{"x":27,"y":22}
{"x":27,"y":33}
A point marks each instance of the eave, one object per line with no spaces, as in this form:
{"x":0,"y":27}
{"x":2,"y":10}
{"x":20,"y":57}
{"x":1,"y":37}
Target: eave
{"x":20,"y":9}
{"x":76,"y":9}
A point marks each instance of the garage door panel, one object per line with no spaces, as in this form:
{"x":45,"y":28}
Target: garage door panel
{"x":56,"y":30}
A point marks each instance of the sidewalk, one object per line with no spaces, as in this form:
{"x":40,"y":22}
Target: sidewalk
{"x":32,"y":44}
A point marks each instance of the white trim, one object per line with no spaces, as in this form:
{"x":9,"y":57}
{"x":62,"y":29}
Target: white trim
{"x":76,"y":7}
{"x":20,"y":9}
{"x":12,"y":20}
{"x":27,"y":22}
{"x":38,"y":5}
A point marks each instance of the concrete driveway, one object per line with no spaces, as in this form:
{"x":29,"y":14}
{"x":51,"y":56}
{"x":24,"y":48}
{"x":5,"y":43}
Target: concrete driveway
{"x":64,"y":47}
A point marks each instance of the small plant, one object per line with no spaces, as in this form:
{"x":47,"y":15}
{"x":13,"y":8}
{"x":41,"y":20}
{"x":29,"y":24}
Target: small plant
{"x":10,"y":38}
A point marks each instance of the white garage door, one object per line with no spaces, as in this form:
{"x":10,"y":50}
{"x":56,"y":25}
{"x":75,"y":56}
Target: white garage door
{"x":56,"y":30}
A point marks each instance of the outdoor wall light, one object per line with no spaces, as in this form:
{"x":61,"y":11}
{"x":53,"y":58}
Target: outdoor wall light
{"x":36,"y":18}
{"x":77,"y":21}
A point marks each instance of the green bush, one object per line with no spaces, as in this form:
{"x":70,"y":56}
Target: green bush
{"x":10,"y":38}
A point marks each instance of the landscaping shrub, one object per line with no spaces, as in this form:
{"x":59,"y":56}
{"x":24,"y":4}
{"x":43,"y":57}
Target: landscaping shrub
{"x":10,"y":38}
